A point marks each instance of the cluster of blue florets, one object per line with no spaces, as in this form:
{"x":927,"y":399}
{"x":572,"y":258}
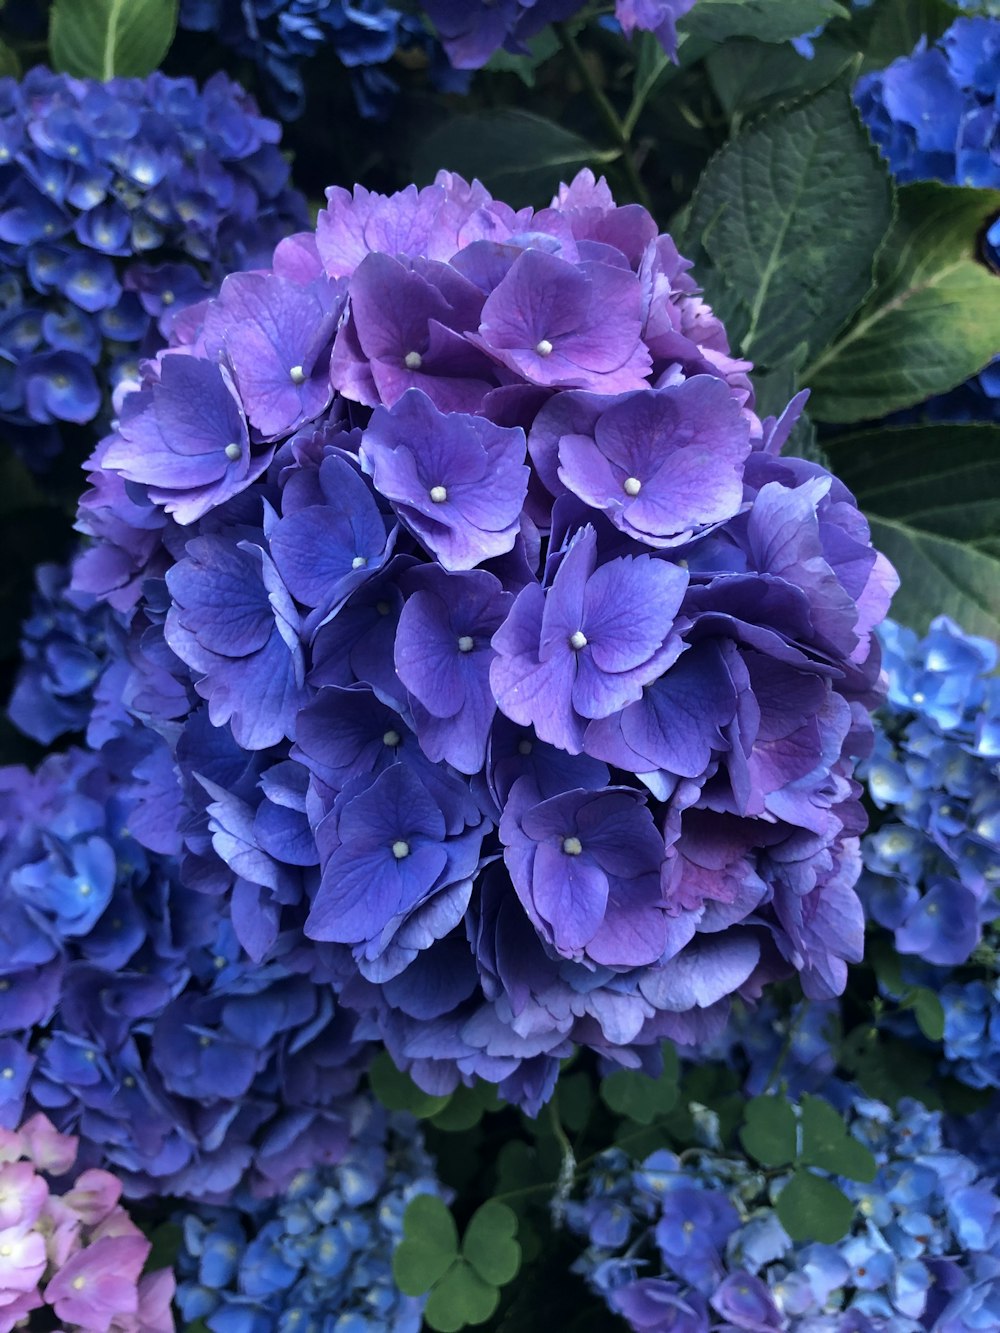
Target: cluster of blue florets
{"x":320,"y":1257}
{"x":935,"y":115}
{"x":697,"y":1245}
{"x":68,"y":642}
{"x":120,"y":204}
{"x":280,"y":35}
{"x":130,"y":1013}
{"x":932,"y":866}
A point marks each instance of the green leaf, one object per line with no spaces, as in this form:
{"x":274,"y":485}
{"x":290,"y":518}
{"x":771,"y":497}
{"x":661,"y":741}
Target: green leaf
{"x":929,"y":1013}
{"x":811,"y":1208}
{"x":769,"y":1131}
{"x":460,"y":1298}
{"x":636,"y":1095}
{"x":10,"y":65}
{"x":784,"y":276}
{"x":932,"y":320}
{"x":464,"y":1108}
{"x":827,"y":1144}
{"x":891,"y":28}
{"x":398,"y":1092}
{"x":519,"y":156}
{"x":102,"y":39}
{"x":489,"y":1243}
{"x":429,"y":1246}
{"x":746,"y":74}
{"x":932,"y":496}
{"x":767,"y":20}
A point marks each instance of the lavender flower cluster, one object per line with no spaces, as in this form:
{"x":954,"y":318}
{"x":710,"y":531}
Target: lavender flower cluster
{"x":75,"y":1251}
{"x":697,"y":1247}
{"x":498,"y":658}
{"x":128,"y":1010}
{"x":120,"y":203}
{"x":321,"y":1255}
{"x":932,"y":867}
{"x":934,"y":114}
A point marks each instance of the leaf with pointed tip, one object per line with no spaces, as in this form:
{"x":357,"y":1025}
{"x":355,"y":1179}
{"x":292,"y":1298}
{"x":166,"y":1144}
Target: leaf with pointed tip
{"x":105,"y":39}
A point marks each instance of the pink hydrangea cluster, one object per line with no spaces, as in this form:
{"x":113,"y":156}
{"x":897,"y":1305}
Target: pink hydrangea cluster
{"x":77,"y":1252}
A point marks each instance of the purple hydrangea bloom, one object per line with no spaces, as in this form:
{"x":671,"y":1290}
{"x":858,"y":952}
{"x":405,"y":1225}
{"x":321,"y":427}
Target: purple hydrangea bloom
{"x":535,"y":676}
{"x":121,"y":204}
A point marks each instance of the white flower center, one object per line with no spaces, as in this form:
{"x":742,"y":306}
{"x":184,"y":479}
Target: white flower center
{"x":8,"y":1072}
{"x":358,"y":562}
{"x":438,"y":494}
{"x":233,"y":452}
{"x":466,"y":643}
{"x":400,"y":849}
{"x":413,"y":360}
{"x":297,"y":375}
{"x":578,"y":640}
{"x":632,"y":486}
{"x":544,"y":348}
{"x":572,"y":846}
{"x":391,"y":738}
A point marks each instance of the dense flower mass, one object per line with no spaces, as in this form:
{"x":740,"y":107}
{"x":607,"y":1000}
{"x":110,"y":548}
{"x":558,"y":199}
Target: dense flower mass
{"x":72,"y":1255}
{"x":932,"y":866}
{"x":279,"y":35}
{"x":473,"y":30}
{"x":698,"y":1246}
{"x":69,"y":644}
{"x":321,"y":1255}
{"x":935,"y":115}
{"x":128,"y":1009}
{"x":120,"y":204}
{"x":503,"y":664}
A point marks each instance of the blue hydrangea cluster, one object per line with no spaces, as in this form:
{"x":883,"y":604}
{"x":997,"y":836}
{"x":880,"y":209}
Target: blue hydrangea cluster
{"x":365,"y":35}
{"x":320,"y":1257}
{"x":498,"y":657}
{"x":932,"y":866}
{"x":935,"y":115}
{"x":69,"y":642}
{"x":695,"y":1245}
{"x":120,"y":204}
{"x":130,"y":1014}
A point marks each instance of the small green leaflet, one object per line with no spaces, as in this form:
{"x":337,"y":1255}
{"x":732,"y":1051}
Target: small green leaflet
{"x":463,"y":1283}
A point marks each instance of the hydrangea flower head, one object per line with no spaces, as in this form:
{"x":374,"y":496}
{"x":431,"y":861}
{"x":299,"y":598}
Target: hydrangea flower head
{"x":280,"y":36}
{"x":323,"y":1250}
{"x":120,"y":204}
{"x":534,"y":675}
{"x":698,"y":1245}
{"x":74,"y":1253}
{"x":129,"y":1011}
{"x":932,"y":866}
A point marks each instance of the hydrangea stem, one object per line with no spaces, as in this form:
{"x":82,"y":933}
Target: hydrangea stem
{"x":612,"y":120}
